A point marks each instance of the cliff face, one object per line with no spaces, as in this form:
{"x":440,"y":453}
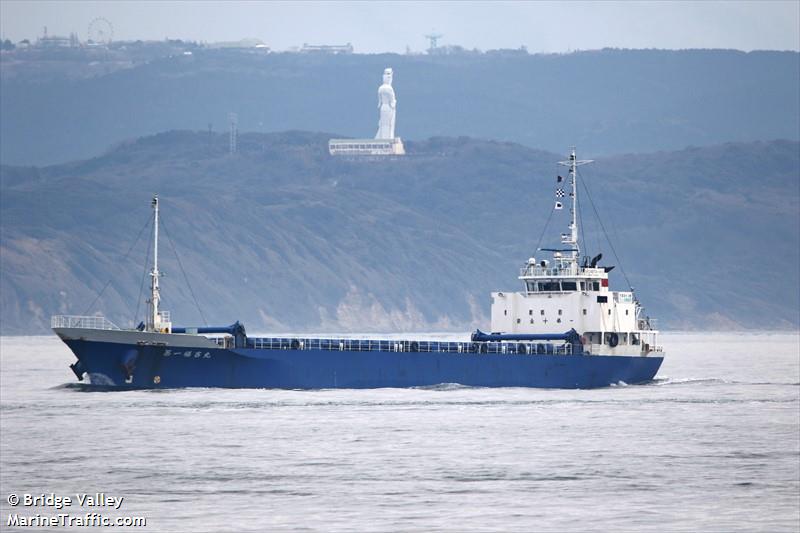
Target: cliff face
{"x":284,"y":237}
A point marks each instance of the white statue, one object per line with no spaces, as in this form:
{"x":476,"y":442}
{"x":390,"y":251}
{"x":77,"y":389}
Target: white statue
{"x":387,"y":104}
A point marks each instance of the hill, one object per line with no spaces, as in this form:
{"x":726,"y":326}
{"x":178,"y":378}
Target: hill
{"x":58,"y":109}
{"x":284,"y":237}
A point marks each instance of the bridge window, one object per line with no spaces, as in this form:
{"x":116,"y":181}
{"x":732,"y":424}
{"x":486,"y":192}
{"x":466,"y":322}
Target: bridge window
{"x":595,"y":286}
{"x":531,"y":286}
{"x":549,"y":286}
{"x":569,"y":286}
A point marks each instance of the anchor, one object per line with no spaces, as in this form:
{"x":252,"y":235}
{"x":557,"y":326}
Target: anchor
{"x":78,"y":368}
{"x":128,"y":364}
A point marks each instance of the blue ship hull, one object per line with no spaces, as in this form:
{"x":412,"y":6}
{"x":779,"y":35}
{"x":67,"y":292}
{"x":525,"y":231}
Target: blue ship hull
{"x":135,"y":366}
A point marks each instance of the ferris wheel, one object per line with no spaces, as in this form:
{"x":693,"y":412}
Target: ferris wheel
{"x":100,"y":31}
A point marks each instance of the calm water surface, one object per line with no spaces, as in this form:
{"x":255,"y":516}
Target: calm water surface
{"x":712,"y":445}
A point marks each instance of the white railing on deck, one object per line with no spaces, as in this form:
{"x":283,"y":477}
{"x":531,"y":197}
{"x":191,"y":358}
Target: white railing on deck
{"x":368,"y":345}
{"x":83,"y":322}
{"x":556,"y":271}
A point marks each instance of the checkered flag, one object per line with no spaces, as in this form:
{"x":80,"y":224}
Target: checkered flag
{"x":560,"y":193}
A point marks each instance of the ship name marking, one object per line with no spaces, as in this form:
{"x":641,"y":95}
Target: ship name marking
{"x":188,"y":353}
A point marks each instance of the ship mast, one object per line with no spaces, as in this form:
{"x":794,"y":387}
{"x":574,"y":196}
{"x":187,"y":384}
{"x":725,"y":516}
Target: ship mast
{"x":153,"y":319}
{"x":571,"y":239}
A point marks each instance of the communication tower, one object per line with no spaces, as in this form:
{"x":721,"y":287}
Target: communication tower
{"x":233,"y":118}
{"x":434,"y":40}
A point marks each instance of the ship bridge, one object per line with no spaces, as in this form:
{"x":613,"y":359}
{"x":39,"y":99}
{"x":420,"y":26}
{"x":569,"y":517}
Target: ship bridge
{"x":568,"y":291}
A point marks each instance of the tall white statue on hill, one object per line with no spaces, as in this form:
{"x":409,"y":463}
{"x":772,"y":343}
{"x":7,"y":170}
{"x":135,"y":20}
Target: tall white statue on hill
{"x":387,"y":104}
{"x":385,"y":143}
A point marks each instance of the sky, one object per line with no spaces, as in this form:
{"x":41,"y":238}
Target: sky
{"x":374,"y":27}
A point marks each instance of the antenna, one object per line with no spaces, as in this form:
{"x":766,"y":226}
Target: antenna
{"x":233,"y":118}
{"x":571,"y":239}
{"x":153,"y":321}
{"x":434,"y":40}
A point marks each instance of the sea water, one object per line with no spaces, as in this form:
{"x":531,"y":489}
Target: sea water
{"x":712,"y":445}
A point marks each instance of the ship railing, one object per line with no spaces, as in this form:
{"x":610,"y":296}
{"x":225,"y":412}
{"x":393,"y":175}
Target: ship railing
{"x":82,"y":322}
{"x":547,"y":271}
{"x":370,"y":345}
{"x":555,"y":270}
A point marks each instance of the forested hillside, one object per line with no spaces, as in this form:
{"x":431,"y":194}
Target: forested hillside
{"x":608,"y":102}
{"x":284,"y":237}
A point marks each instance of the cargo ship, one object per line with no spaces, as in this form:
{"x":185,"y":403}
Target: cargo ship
{"x":565,"y":328}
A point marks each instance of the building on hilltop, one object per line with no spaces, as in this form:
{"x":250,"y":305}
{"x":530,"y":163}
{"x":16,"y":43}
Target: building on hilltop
{"x":327,"y":48}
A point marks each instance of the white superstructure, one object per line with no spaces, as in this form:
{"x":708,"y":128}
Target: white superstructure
{"x":562,"y":293}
